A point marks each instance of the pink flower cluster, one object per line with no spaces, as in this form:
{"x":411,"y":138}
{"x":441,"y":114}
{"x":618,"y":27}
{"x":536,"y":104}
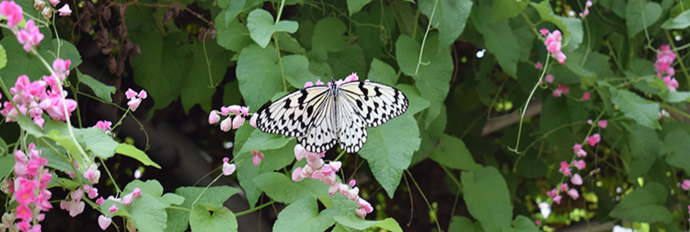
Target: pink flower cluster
{"x":587,"y":6}
{"x":29,"y":189}
{"x":34,"y":99}
{"x":240,"y":113}
{"x":553,"y":44}
{"x":30,"y":36}
{"x":104,"y":125}
{"x":135,"y":98}
{"x":74,"y":204}
{"x":560,"y":90}
{"x":664,"y":70}
{"x":576,"y":179}
{"x":318,"y":170}
{"x":47,"y":12}
{"x":13,"y":12}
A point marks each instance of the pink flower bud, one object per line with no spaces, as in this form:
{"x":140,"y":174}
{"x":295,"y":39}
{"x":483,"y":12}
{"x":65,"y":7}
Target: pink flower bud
{"x":213,"y":117}
{"x":136,"y":192}
{"x":76,"y":194}
{"x":127,"y":199}
{"x":258,"y":156}
{"x":319,"y":83}
{"x":308,"y":84}
{"x":226,"y":124}
{"x":237,"y":122}
{"x":581,"y":153}
{"x":297,"y":174}
{"x":228,"y":169}
{"x":557,"y":199}
{"x":335,"y":165}
{"x":332,"y":190}
{"x":100,"y":201}
{"x":352,"y":183}
{"x":573,"y":193}
{"x":586,"y":96}
{"x":130,"y":94}
{"x":235,"y":109}
{"x":113,"y":208}
{"x":143,"y":94}
{"x":603,"y":123}
{"x":593,"y":140}
{"x":64,"y":10}
{"x":544,"y":31}
{"x":300,"y":152}
{"x":134,"y":104}
{"x":686,"y":186}
{"x":576,"y":180}
{"x":104,"y":221}
{"x":361,"y":213}
{"x":252,"y":121}
{"x":76,"y":208}
{"x":549,"y":78}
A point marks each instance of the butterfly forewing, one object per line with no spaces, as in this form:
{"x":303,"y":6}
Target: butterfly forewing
{"x":322,"y":116}
{"x":292,"y":114}
{"x":376,"y":103}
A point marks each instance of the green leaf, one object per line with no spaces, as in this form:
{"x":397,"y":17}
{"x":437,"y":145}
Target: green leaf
{"x":524,"y":224}
{"x":290,"y":44}
{"x":329,"y":35}
{"x":178,"y":220}
{"x":148,"y":214}
{"x":382,"y":72}
{"x":95,"y":139}
{"x":101,"y":90}
{"x":281,"y":189}
{"x":644,"y":204}
{"x":297,"y":69}
{"x":644,"y":148}
{"x":640,"y":14}
{"x":487,"y":198}
{"x":433,"y":77}
{"x":354,"y":6}
{"x":134,"y":152}
{"x":680,"y":22}
{"x":453,"y":153}
{"x":222,"y":219}
{"x":261,"y":27}
{"x":233,"y":36}
{"x":571,"y":27}
{"x":677,"y":142}
{"x":67,"y":144}
{"x":261,"y":141}
{"x":636,"y":108}
{"x":200,"y":84}
{"x":150,"y":187}
{"x":6,"y":165}
{"x":389,"y":150}
{"x":3,"y":57}
{"x":416,"y":101}
{"x":674,"y":96}
{"x":499,"y":39}
{"x":347,"y":61}
{"x":246,"y":171}
{"x":303,"y":215}
{"x":449,"y":18}
{"x":462,"y":224}
{"x":258,"y":76}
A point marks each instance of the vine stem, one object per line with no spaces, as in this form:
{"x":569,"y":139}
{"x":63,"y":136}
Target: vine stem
{"x":524,"y":110}
{"x":423,"y":196}
{"x":275,"y":40}
{"x":203,"y":191}
{"x":421,"y":51}
{"x":255,"y":208}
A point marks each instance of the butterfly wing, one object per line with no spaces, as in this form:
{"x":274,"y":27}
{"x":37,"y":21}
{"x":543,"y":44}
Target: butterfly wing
{"x":352,"y":132}
{"x":376,"y":103}
{"x":321,"y":134}
{"x":293,"y":114}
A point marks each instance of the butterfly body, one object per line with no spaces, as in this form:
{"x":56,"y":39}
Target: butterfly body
{"x":321,"y":116}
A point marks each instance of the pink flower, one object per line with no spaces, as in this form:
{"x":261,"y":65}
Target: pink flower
{"x":586,"y":96}
{"x":589,"y":3}
{"x":579,"y":164}
{"x":252,"y":121}
{"x":257,"y":157}
{"x":297,"y":174}
{"x":143,"y":94}
{"x":213,"y":117}
{"x":308,"y":84}
{"x":352,"y":183}
{"x":30,"y":36}
{"x":560,"y":57}
{"x":234,"y":109}
{"x":686,"y":185}
{"x":335,"y":165}
{"x":244,"y":110}
{"x":300,"y":152}
{"x":226,"y":124}
{"x":104,"y":125}
{"x":54,"y":2}
{"x":538,"y":65}
{"x":361,"y":213}
{"x":603,"y":123}
{"x":61,"y":66}
{"x":228,"y":169}
{"x":332,"y":190}
{"x":100,"y":201}
{"x":557,"y":199}
{"x":665,"y":58}
{"x":593,"y":140}
{"x":13,"y":13}
{"x":565,"y":168}
{"x":563,"y":187}
{"x":549,"y":78}
{"x":553,"y":41}
{"x":136,"y":192}
{"x":134,"y":104}
{"x":319,"y":83}
{"x":104,"y":221}
{"x":127,"y":199}
{"x":113,"y":208}
{"x":24,"y":213}
{"x":671,"y":83}
{"x":353,"y":194}
{"x":552,"y":193}
{"x":581,"y":153}
{"x":573,"y":193}
{"x":130,"y":93}
{"x":351,"y":77}
{"x":560,"y":90}
{"x":238,"y":121}
{"x":577,"y":147}
{"x":544,"y":31}
{"x":576,"y":180}
{"x":92,"y":174}
{"x":76,"y":207}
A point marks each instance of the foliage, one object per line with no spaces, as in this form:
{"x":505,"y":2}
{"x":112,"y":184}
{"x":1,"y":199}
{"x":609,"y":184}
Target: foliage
{"x":608,"y":80}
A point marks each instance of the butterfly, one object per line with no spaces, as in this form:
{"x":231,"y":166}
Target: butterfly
{"x":321,"y":116}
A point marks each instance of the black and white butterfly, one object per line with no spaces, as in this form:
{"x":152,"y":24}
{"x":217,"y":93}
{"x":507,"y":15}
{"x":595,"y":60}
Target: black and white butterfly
{"x":321,"y":116}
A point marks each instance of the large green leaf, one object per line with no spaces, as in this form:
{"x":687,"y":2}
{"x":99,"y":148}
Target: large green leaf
{"x":261,"y":26}
{"x":178,"y":220}
{"x":382,"y":72}
{"x":389,"y":149}
{"x":258,"y":75}
{"x":487,"y":198}
{"x":449,"y":18}
{"x":281,"y":189}
{"x":644,"y":148}
{"x":641,"y":14}
{"x":498,"y":38}
{"x":433,"y":75}
{"x":453,"y":153}
{"x":678,"y":144}
{"x":303,"y":215}
{"x":463,"y":224}
{"x":680,"y":22}
{"x":644,"y":204}
{"x":101,"y":90}
{"x":209,"y":65}
{"x":328,"y":35}
{"x":636,"y":108}
{"x":222,"y":219}
{"x":233,"y":36}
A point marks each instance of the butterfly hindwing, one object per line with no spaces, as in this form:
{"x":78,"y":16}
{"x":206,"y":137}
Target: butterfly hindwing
{"x":376,"y":103}
{"x":321,"y":134}
{"x":292,"y":114}
{"x":352,"y":132}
